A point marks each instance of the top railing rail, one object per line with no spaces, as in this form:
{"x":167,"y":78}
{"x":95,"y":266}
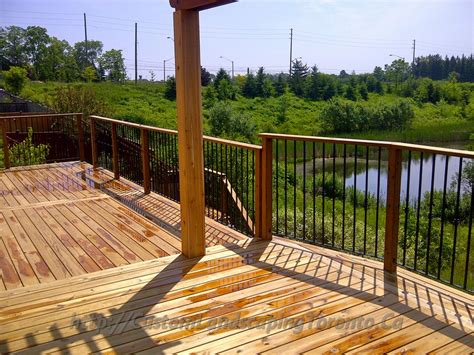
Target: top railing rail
{"x":373,"y":143}
{"x":175,"y":132}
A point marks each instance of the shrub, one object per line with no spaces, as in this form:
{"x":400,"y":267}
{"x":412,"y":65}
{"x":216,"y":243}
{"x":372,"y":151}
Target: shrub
{"x":344,"y":116}
{"x":78,"y":99}
{"x":170,"y":89}
{"x":26,"y":153}
{"x":15,"y":79}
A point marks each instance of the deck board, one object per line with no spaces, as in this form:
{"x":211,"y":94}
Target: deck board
{"x":82,"y":270}
{"x":253,"y":280}
{"x":56,"y":223}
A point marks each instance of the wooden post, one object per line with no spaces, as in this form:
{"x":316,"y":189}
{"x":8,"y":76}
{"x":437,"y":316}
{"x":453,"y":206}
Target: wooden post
{"x":190,"y":136}
{"x":393,"y":209}
{"x":80,"y":137}
{"x":6,"y":152}
{"x":258,"y":193}
{"x":266,"y":188}
{"x":94,"y":143}
{"x":145,"y":160}
{"x":115,"y":153}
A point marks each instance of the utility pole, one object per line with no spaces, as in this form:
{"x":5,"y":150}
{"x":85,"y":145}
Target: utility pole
{"x":291,"y":49}
{"x":164,"y":70}
{"x":85,"y":35}
{"x":136,"y":55}
{"x":414,"y":49}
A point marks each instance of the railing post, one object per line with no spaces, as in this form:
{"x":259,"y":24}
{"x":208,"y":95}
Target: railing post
{"x":80,"y":137}
{"x":266,"y":207}
{"x":6,"y":152}
{"x":115,"y":153}
{"x":145,"y":160}
{"x":393,"y":208}
{"x":94,"y":143}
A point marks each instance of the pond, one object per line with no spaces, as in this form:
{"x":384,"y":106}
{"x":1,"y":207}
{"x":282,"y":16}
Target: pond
{"x":418,"y":166}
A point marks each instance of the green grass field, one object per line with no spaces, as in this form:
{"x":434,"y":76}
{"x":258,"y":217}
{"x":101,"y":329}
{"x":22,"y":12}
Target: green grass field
{"x":436,"y":124}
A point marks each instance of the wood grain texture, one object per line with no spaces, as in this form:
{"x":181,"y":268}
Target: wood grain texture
{"x":188,"y":106}
{"x":281,"y":297}
{"x":63,"y":220}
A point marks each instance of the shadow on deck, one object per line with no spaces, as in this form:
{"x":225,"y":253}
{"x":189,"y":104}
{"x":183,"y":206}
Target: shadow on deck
{"x":250,"y":297}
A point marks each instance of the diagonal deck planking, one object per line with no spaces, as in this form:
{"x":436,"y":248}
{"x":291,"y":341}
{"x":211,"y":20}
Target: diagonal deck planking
{"x":63,"y":220}
{"x":120,"y":310}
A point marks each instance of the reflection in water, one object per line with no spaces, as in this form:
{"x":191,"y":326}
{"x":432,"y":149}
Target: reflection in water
{"x":424,"y":167}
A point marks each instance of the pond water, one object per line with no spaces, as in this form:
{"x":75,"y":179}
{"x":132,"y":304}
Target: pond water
{"x":417,"y":166}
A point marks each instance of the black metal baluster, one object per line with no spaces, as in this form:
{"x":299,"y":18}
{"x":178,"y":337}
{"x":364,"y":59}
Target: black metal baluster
{"x":443,"y":216}
{"x":418,"y":208}
{"x":323,"y":207}
{"x":333,"y":193}
{"x":247,"y":190}
{"x":304,"y":190}
{"x":430,"y":214}
{"x":355,"y":200}
{"x":469,"y":236}
{"x":377,"y":209}
{"x":253,"y":185}
{"x":241,"y":185}
{"x":314,"y":192}
{"x":276,"y":188}
{"x":286,"y":187}
{"x":344,"y":159}
{"x":456,"y":220}
{"x":366,"y":196}
{"x":407,"y":210}
{"x":294,"y":191}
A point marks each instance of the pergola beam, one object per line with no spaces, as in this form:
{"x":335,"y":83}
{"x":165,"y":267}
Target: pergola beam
{"x":198,"y":5}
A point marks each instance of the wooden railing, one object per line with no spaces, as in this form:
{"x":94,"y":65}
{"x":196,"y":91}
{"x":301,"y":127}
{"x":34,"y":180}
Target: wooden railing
{"x":412,"y":205}
{"x":148,"y":156}
{"x":406,"y":205}
{"x":62,"y":135}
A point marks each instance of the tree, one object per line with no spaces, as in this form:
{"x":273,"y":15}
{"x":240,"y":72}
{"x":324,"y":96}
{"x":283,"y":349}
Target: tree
{"x":225,"y":90}
{"x":249,"y":89}
{"x":314,"y":86}
{"x":91,"y":56}
{"x":152,"y":75}
{"x":113,"y":64}
{"x":280,"y":85}
{"x":221,"y":75}
{"x":170,"y":88}
{"x":299,"y":73}
{"x":206,"y":77}
{"x":397,"y":72}
{"x":379,"y":73}
{"x":350,"y":93}
{"x":12,"y":45}
{"x":343,"y":74}
{"x":364,"y":93}
{"x":378,"y":87}
{"x":15,"y":79}
{"x":36,"y":42}
{"x":58,"y":62}
{"x":89,"y":74}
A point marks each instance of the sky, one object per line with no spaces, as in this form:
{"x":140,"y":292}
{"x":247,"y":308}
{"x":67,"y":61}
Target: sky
{"x":332,"y":34}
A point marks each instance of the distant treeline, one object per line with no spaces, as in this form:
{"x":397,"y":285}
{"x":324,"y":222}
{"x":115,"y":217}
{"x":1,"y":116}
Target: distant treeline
{"x":48,"y":58}
{"x":437,"y":68}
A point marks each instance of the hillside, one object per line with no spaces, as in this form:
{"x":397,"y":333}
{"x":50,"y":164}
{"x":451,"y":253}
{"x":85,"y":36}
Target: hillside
{"x":439,"y":124}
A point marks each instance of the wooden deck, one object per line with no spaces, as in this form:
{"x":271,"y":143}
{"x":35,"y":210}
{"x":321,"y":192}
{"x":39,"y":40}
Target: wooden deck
{"x":282,"y":297}
{"x":63,"y":220}
{"x":90,"y":264}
